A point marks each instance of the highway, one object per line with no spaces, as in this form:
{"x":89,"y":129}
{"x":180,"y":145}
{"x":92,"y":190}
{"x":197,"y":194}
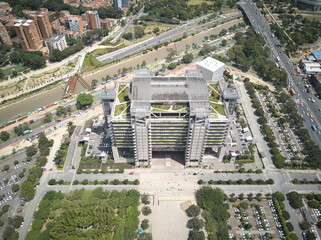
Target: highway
{"x":294,"y":81}
{"x":167,"y":36}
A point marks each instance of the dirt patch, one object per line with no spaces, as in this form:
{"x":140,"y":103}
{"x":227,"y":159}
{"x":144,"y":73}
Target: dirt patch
{"x":185,"y":205}
{"x":240,"y":76}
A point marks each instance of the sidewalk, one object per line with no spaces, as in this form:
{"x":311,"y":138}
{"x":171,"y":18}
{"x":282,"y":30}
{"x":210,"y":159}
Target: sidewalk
{"x":57,"y":136}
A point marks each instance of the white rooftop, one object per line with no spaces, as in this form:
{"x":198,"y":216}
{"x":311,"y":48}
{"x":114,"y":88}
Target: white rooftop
{"x":211,"y":64}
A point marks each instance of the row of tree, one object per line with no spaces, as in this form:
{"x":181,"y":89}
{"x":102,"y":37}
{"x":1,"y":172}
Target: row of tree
{"x":287,"y":227}
{"x":58,"y":55}
{"x":279,"y":160}
{"x":249,"y":51}
{"x":33,"y":60}
{"x":211,"y":201}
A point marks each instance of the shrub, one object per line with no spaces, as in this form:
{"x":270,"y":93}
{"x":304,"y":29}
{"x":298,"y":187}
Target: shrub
{"x":52,"y":182}
{"x":146,"y":211}
{"x":196,"y":223}
{"x":5,"y":208}
{"x":85,"y":182}
{"x":200,"y":182}
{"x":193,"y":211}
{"x":145,"y":224}
{"x":145,"y":199}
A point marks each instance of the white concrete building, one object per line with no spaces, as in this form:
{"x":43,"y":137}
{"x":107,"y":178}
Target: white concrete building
{"x":56,"y":42}
{"x":212,"y":69}
{"x":312,"y":68}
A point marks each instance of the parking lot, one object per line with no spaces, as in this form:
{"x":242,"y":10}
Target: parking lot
{"x":258,"y":221}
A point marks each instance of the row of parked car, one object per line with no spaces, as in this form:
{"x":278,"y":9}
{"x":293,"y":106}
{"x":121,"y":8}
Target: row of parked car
{"x":276,"y":218}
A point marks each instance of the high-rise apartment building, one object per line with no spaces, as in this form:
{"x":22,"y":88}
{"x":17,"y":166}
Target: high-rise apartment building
{"x":28,"y":34}
{"x":92,"y":20}
{"x":42,"y":22}
{"x":44,"y":25}
{"x":125,"y":3}
{"x":181,"y":114}
{"x":4,"y":36}
{"x":75,"y":23}
{"x":117,"y":4}
{"x":56,"y":42}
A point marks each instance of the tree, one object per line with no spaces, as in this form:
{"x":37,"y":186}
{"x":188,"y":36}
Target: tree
{"x":224,"y":42}
{"x":145,"y":224}
{"x":31,"y":151}
{"x":5,"y":208}
{"x":85,"y":182}
{"x":156,"y":30}
{"x":290,"y":226}
{"x":193,"y":211}
{"x":305,"y":225}
{"x":84,"y":100}
{"x":146,"y":210}
{"x":145,"y":199}
{"x":6,"y":167}
{"x":310,"y":235}
{"x":196,"y":223}
{"x":27,"y":191}
{"x":286,"y":215}
{"x":17,"y":221}
{"x":4,"y":136}
{"x":10,"y":234}
{"x":295,"y":200}
{"x":188,"y":58}
{"x":60,"y":111}
{"x":171,"y":66}
{"x":196,"y":235}
{"x":279,"y":196}
{"x":15,"y":187}
{"x":145,"y":236}
{"x":47,"y":118}
{"x":52,"y":182}
{"x":94,"y":82}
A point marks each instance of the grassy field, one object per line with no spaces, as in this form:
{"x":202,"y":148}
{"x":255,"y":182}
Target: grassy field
{"x":17,"y":68}
{"x":198,"y":2}
{"x":123,"y":96}
{"x":36,"y":80}
{"x":12,"y":88}
{"x":90,"y":63}
{"x":219,"y":108}
{"x":120,"y":108}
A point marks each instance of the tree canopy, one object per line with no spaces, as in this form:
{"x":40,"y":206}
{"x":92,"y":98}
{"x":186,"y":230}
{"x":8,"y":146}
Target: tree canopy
{"x":84,"y":100}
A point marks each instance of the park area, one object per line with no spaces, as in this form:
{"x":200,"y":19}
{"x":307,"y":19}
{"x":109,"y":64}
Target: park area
{"x":39,"y":79}
{"x":87,"y":214}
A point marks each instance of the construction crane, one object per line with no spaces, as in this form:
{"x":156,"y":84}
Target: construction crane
{"x":71,"y":84}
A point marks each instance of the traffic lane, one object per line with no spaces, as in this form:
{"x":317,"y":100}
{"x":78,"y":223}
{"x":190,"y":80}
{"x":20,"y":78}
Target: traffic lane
{"x":291,"y":72}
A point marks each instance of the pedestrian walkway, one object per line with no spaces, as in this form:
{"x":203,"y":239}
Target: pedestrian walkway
{"x":57,"y":137}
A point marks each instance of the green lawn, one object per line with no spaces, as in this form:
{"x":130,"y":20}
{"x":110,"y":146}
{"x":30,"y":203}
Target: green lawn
{"x":120,"y":108}
{"x":123,"y":96}
{"x":17,"y":68}
{"x":198,"y":2}
{"x":163,"y":107}
{"x":90,"y":63}
{"x":219,"y":108}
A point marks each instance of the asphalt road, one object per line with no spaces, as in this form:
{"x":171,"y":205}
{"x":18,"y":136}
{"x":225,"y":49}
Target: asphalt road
{"x":279,"y":56}
{"x":167,"y":36}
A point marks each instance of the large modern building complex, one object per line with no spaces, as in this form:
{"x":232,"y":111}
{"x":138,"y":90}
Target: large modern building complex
{"x":156,"y":113}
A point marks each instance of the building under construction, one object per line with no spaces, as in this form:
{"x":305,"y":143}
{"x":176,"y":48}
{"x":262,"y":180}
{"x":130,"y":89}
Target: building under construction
{"x":156,"y":113}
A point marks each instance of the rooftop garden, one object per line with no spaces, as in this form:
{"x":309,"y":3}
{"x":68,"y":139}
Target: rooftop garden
{"x":160,"y":107}
{"x":215,"y":95}
{"x":120,"y":109}
{"x":123,"y":93}
{"x":218,"y":108}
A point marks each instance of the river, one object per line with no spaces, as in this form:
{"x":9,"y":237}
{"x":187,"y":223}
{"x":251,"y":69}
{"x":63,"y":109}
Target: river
{"x":56,"y":94}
